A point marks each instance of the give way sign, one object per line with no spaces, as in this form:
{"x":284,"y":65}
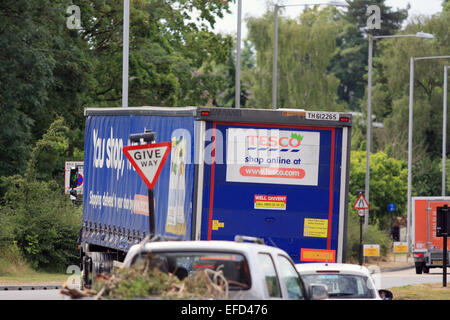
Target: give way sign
{"x":148,"y":160}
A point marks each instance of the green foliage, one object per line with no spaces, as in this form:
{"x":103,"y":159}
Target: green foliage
{"x":374,"y":235}
{"x":388,"y":183}
{"x":306,"y":46}
{"x":48,"y":70}
{"x":45,"y":223}
{"x":349,"y":64}
{"x":11,"y":259}
{"x":427,"y":178}
{"x":35,"y":213}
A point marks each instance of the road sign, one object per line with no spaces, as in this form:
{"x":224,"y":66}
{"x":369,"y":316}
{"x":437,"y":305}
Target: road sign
{"x":391,"y":207}
{"x":361,"y":203}
{"x":69,"y":165}
{"x":148,"y":160}
{"x":400,"y":247}
{"x":79,"y":180}
{"x":361,"y":212}
{"x":371,"y":250}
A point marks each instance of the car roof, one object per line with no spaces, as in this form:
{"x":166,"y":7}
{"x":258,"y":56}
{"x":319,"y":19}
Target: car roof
{"x":341,"y":267}
{"x":214,"y":245}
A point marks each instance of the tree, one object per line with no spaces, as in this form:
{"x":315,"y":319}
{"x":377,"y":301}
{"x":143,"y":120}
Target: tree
{"x":306,"y":46}
{"x":391,"y":95}
{"x":350,"y":61}
{"x":171,"y":56}
{"x":388,"y":183}
{"x":48,"y":70}
{"x":226,"y":95}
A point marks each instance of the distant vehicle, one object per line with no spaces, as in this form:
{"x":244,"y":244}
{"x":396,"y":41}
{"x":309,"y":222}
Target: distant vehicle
{"x":344,"y":281}
{"x":252,"y":270}
{"x":427,"y":248}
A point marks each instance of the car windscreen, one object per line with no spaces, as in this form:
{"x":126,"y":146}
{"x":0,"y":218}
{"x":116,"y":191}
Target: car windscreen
{"x":182,"y":264}
{"x":342,"y":285}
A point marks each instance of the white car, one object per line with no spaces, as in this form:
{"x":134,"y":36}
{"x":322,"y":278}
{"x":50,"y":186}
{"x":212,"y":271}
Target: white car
{"x":344,"y":281}
{"x":253,"y":270}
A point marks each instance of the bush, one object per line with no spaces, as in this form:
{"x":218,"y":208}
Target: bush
{"x":373,"y":236}
{"x":11,"y":260}
{"x":44,"y":222}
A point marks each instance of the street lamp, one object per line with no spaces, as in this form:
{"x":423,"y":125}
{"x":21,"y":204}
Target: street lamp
{"x":444,"y":129}
{"x":410,"y":131}
{"x":237,"y":85}
{"x":126,"y":36}
{"x":422,"y":35}
{"x":275,"y":40}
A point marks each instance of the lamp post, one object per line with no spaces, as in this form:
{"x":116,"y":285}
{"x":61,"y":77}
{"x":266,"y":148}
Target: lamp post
{"x":275,"y":40}
{"x":444,"y":129}
{"x":126,"y":36}
{"x":369,"y":107}
{"x":237,"y":86}
{"x":410,"y":131}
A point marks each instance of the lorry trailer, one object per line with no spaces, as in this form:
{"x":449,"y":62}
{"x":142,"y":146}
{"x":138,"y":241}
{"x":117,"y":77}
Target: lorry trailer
{"x":281,"y":175}
{"x":427,"y":248}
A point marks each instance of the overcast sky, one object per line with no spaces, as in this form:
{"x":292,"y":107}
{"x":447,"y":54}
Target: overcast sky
{"x":257,"y":8}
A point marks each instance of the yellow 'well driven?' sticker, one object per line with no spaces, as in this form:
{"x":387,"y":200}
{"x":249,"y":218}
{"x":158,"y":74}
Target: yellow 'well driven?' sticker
{"x":317,"y":228}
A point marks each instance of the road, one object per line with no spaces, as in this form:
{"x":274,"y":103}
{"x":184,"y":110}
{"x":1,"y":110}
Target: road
{"x":388,"y":280}
{"x":31,"y":295}
{"x":384,"y":280}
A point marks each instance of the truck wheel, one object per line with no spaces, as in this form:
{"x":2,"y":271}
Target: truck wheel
{"x":425,"y":269}
{"x":102,"y":263}
{"x":85,"y":273}
{"x":418,"y":267}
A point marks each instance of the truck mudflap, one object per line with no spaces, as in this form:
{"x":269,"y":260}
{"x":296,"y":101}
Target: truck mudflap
{"x":115,"y":211}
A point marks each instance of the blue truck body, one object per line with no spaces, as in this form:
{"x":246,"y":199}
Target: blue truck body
{"x":279,"y":175}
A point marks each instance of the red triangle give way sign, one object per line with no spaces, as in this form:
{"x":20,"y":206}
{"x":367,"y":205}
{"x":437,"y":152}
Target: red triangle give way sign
{"x":148,"y":160}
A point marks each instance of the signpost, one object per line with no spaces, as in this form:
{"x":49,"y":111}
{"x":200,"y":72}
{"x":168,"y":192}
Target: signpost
{"x":363,"y":207}
{"x":148,"y":160}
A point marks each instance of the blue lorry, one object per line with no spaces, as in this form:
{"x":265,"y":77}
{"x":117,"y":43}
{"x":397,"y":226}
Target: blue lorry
{"x":281,"y":175}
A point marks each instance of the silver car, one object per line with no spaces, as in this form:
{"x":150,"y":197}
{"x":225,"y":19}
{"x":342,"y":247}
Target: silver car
{"x":343,"y":281}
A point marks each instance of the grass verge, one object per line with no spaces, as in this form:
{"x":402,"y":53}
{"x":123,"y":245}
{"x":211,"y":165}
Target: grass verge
{"x":14,"y":270}
{"x":429,"y":291}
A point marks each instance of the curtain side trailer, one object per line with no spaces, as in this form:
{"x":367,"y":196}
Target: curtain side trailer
{"x":281,"y":175}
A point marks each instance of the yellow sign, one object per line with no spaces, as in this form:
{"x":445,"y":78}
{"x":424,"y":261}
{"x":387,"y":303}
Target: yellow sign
{"x":216,"y":224}
{"x":400,"y":247}
{"x":270,"y":205}
{"x":371,"y":250}
{"x":317,"y":255}
{"x":317,"y":228}
{"x":270,"y":202}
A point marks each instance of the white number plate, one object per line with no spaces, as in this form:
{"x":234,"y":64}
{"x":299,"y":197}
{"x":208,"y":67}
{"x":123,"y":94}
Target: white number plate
{"x":319,"y":115}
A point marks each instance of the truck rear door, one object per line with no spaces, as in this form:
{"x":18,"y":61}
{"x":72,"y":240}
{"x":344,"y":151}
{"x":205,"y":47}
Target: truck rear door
{"x":280,"y":182}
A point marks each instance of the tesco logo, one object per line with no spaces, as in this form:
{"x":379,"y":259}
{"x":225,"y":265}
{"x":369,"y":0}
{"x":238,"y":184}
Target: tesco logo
{"x":274,"y":141}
